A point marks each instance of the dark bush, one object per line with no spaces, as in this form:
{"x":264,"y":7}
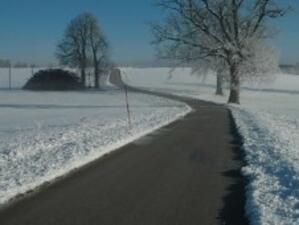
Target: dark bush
{"x":53,"y":79}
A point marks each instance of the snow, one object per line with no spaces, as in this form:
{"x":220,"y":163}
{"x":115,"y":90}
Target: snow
{"x":272,"y":154}
{"x":268,"y":122}
{"x":45,"y":135}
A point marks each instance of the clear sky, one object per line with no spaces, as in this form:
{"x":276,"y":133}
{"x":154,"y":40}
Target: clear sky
{"x":30,"y":29}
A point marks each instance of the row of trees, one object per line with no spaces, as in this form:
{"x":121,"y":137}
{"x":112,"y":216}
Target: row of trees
{"x":5,"y":63}
{"x":227,"y":36}
{"x":84,"y":46}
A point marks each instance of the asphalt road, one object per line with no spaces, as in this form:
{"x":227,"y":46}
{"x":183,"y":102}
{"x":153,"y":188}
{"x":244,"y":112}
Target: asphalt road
{"x":187,"y":173}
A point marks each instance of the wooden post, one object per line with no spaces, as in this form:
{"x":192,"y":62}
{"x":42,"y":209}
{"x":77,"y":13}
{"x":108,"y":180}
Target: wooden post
{"x":32,"y":69}
{"x":89,"y":80}
{"x":128,"y":107}
{"x":9,"y":76}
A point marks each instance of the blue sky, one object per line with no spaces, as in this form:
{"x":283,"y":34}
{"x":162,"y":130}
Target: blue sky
{"x":31,"y":29}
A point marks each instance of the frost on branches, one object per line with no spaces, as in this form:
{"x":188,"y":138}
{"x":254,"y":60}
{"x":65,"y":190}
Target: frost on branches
{"x":225,"y":30}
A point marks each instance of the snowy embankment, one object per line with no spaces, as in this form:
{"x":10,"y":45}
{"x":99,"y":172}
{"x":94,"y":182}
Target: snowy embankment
{"x":268,"y":121}
{"x":271,"y":143}
{"x":44,"y":135}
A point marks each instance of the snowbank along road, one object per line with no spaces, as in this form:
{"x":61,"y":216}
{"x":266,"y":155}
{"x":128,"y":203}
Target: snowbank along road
{"x":187,"y":173}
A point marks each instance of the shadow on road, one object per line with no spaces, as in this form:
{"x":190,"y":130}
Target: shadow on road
{"x":233,"y":212}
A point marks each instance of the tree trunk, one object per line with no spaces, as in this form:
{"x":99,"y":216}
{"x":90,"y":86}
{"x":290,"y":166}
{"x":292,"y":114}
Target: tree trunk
{"x":96,"y":76}
{"x":219,"y":88}
{"x":83,"y":76}
{"x":83,"y":65}
{"x":234,"y":96}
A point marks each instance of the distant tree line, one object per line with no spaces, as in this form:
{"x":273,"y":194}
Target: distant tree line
{"x":290,"y":69}
{"x":5,"y":63}
{"x":84,"y":46}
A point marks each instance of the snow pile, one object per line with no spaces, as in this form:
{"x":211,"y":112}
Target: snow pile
{"x":268,"y":121}
{"x":271,"y":145}
{"x":45,"y":135}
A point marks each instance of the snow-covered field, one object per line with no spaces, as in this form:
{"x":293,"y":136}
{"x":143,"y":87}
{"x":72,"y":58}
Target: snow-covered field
{"x":44,"y":135}
{"x":268,"y":121}
{"x":19,"y":76}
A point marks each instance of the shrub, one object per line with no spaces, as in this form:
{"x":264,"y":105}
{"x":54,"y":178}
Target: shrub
{"x":53,"y":79}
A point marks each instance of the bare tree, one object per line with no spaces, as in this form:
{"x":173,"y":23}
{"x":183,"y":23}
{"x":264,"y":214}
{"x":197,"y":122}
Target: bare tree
{"x":262,"y":64}
{"x":203,"y":66}
{"x":84,"y":45}
{"x":99,"y":49}
{"x":72,"y":50}
{"x":209,"y":29}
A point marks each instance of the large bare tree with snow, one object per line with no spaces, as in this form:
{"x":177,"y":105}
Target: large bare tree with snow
{"x":228,"y":30}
